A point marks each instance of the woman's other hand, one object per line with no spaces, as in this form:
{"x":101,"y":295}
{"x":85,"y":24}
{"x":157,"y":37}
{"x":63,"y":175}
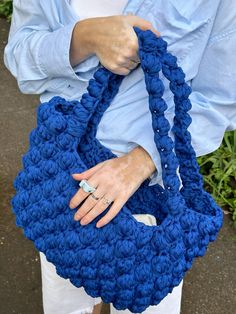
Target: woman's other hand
{"x":115,"y":180}
{"x":111,"y":38}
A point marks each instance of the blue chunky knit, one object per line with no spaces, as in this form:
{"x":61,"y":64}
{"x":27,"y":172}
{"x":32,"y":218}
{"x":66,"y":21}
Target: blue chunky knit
{"x":126,"y":262}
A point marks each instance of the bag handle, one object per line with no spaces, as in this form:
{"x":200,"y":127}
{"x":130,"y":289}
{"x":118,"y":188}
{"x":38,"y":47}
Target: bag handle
{"x":154,"y":57}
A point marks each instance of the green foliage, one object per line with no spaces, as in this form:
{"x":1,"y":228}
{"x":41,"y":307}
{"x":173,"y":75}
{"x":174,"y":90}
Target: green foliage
{"x":219,"y":172}
{"x":6,"y":8}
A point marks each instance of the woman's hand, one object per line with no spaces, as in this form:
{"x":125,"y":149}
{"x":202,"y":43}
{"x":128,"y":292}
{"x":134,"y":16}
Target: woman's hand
{"x":111,"y":38}
{"x":115,"y":180}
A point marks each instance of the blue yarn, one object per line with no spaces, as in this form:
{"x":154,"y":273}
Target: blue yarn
{"x":126,"y":262}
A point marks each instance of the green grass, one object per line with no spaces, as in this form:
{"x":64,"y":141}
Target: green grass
{"x":6,"y":9}
{"x":219,"y":172}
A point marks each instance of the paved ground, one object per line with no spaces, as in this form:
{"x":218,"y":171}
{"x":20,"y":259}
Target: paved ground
{"x":209,"y":287}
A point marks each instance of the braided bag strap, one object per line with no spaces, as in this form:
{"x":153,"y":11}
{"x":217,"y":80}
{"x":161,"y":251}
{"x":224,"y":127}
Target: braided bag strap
{"x":154,"y":58}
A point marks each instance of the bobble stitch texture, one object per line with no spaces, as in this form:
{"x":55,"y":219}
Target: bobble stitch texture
{"x":126,"y":262}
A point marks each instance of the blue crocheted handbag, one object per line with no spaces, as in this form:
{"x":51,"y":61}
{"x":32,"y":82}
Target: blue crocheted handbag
{"x":126,"y":262}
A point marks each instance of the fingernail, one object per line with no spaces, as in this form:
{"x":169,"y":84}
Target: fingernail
{"x":77,"y":217}
{"x":83,"y":222}
{"x":76,"y":174}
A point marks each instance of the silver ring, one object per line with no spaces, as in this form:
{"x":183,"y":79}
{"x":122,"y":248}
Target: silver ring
{"x":135,"y":61}
{"x":95,"y":197}
{"x":106,"y":201}
{"x":86,"y":187}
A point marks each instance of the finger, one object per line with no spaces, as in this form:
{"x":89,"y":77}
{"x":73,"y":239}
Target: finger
{"x":132,"y":64}
{"x":87,"y":173}
{"x":99,"y":207}
{"x":81,"y":195}
{"x":155,"y":31}
{"x":121,"y":71}
{"x":113,"y":211}
{"x":142,"y":23}
{"x":88,"y":205}
{"x":136,"y":59}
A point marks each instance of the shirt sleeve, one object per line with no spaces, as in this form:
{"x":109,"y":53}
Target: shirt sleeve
{"x":214,"y":94}
{"x":36,"y":54}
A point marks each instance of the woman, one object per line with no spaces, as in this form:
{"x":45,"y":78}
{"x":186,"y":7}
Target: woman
{"x":54,"y":48}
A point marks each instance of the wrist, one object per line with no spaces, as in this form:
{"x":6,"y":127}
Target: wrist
{"x":82,"y":45}
{"x":143,"y":161}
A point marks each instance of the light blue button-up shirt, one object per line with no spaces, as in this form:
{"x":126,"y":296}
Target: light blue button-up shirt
{"x":202,"y":34}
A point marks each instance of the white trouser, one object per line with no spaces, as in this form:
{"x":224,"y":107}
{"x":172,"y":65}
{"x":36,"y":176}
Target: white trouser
{"x":61,"y":297}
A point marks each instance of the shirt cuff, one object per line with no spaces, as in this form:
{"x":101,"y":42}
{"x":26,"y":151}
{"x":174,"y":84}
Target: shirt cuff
{"x":155,"y":178}
{"x":85,"y":69}
{"x":54,"y":55}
